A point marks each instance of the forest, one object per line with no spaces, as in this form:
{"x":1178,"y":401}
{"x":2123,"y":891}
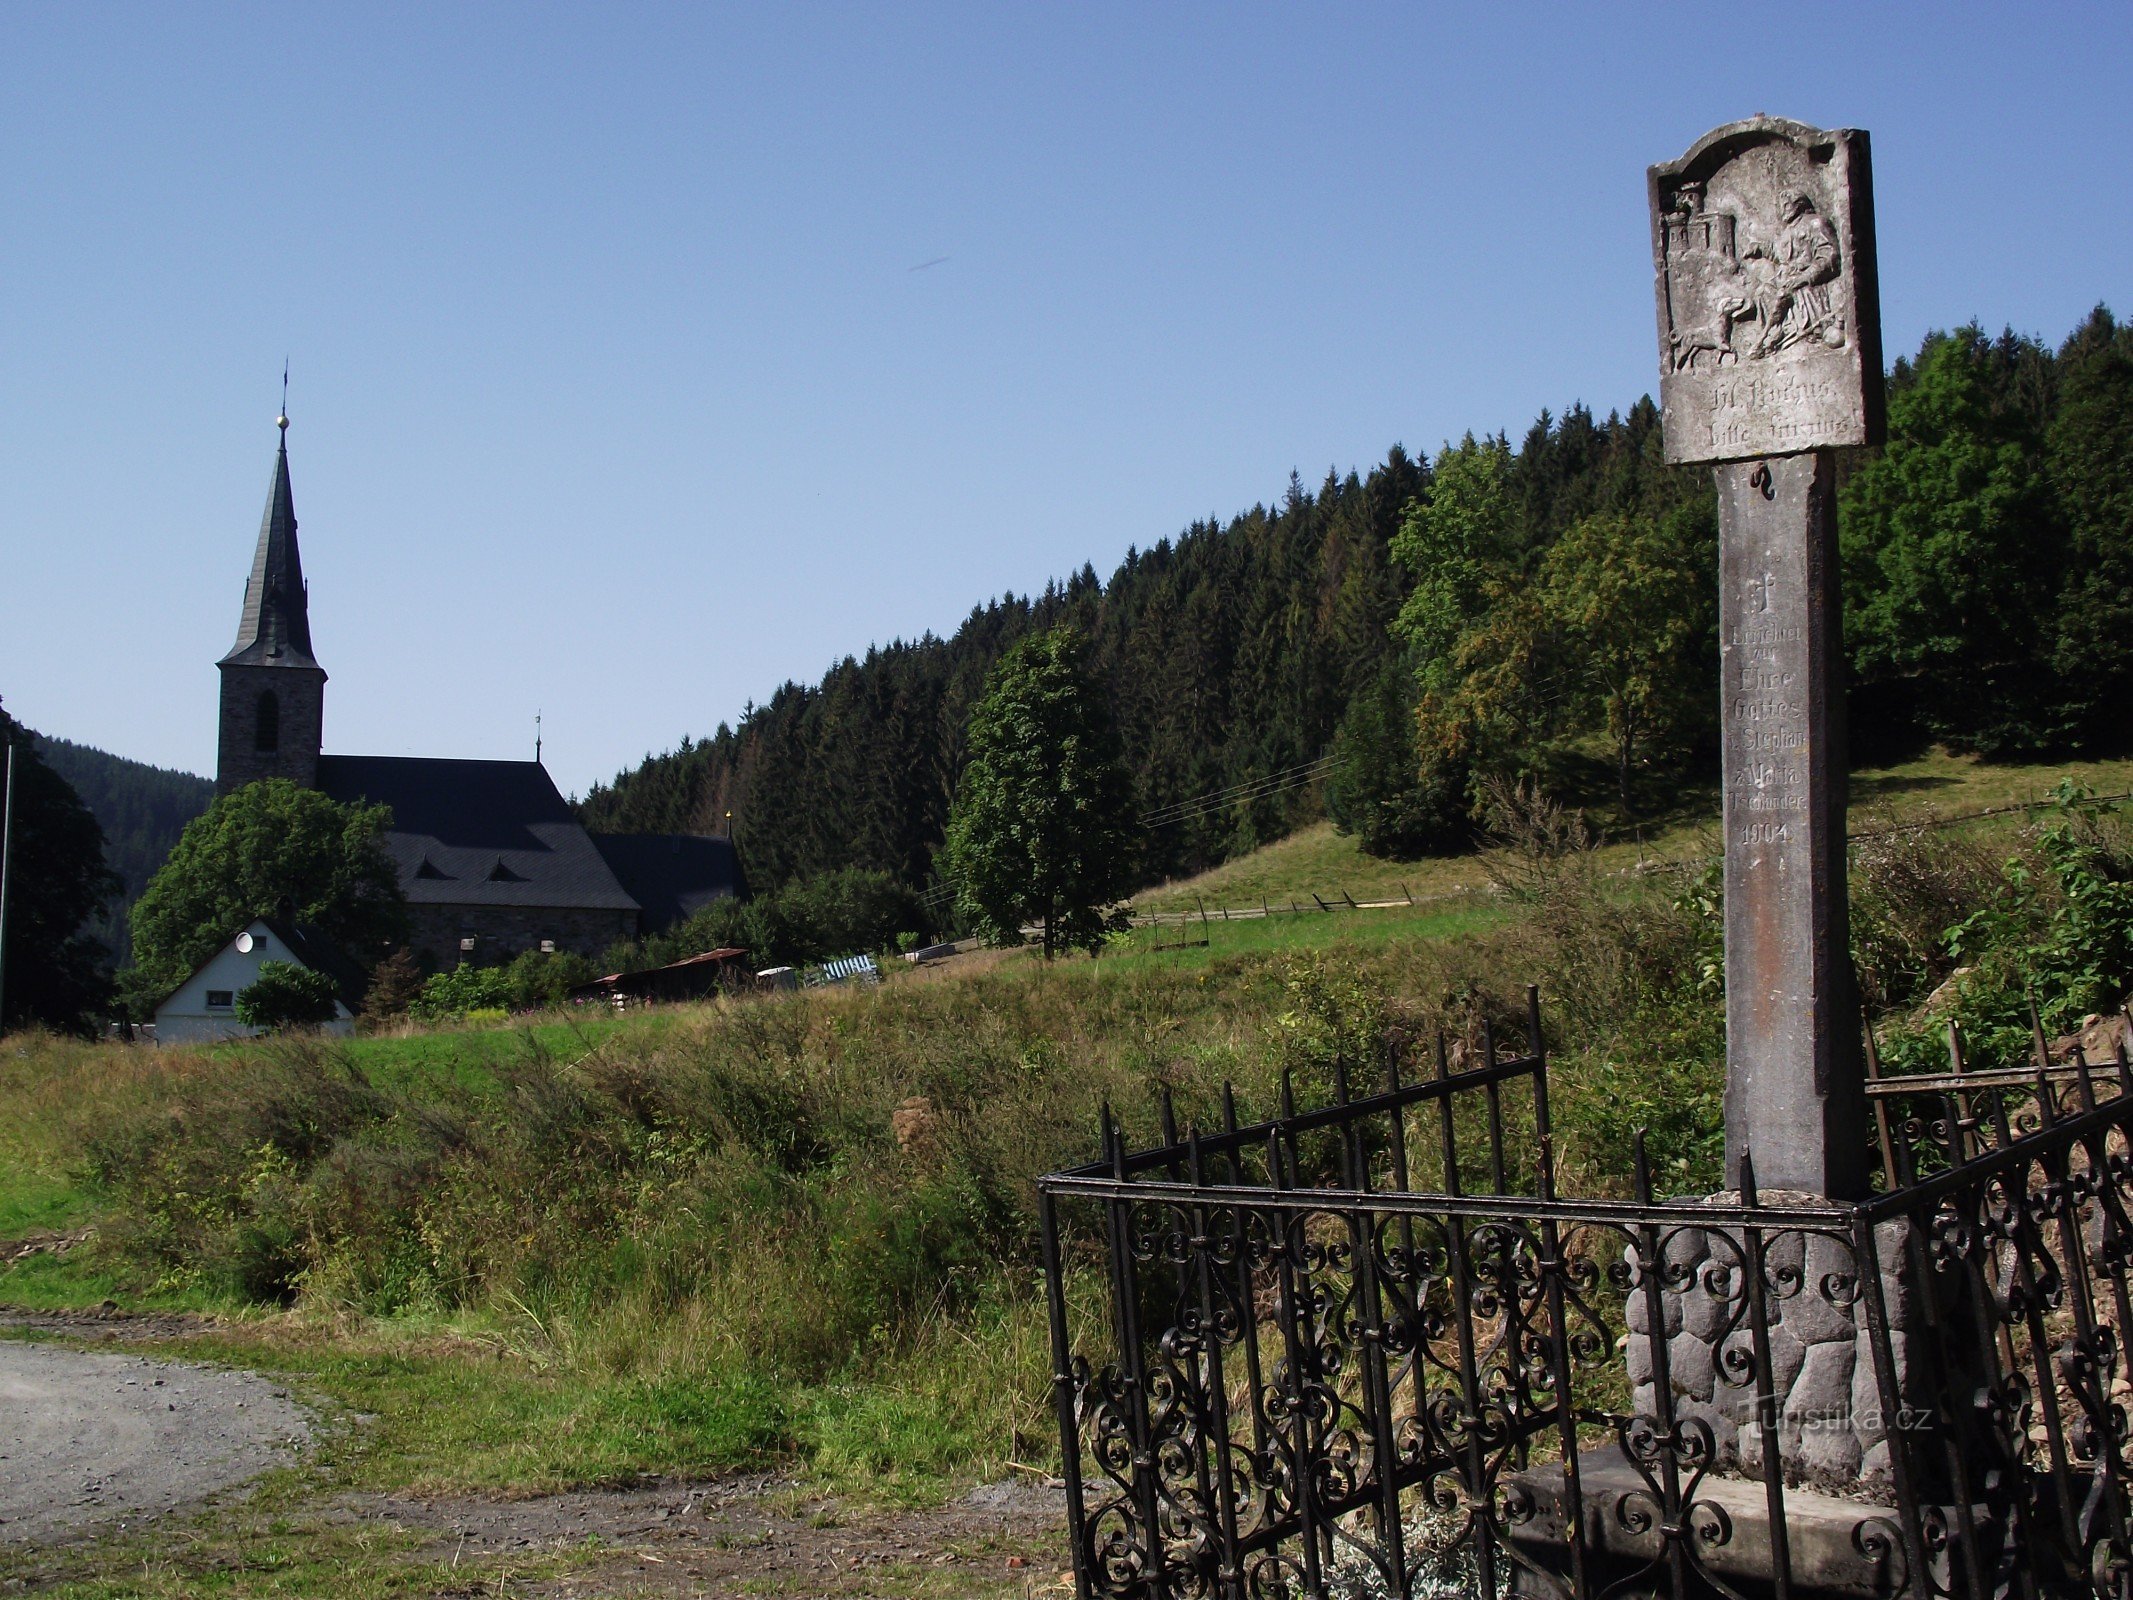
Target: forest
{"x":1393,"y":647}
{"x":141,"y":809}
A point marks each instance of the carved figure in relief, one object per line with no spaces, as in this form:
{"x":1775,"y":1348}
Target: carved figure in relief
{"x":1716,"y":287}
{"x":1789,"y":293}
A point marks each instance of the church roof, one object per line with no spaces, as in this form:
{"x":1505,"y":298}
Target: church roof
{"x":494,"y":833}
{"x":275,"y":630}
{"x":315,"y":949}
{"x":671,"y":875}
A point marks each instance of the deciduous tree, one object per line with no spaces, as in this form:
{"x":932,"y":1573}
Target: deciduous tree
{"x":269,"y":849}
{"x":1953,"y":556}
{"x":1631,"y":597}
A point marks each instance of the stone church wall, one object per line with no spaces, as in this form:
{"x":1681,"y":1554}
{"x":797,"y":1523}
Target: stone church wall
{"x":501,"y":932}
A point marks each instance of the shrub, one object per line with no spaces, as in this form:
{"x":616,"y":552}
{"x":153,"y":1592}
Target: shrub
{"x":460,"y":990}
{"x":285,"y":995}
{"x":539,"y":980}
{"x":2055,"y":931}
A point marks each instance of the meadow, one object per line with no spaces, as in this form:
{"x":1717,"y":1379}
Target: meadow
{"x":796,"y":1231}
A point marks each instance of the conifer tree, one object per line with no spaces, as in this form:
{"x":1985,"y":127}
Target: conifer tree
{"x":57,"y":880}
{"x":1042,"y":829}
{"x":2090,"y":454}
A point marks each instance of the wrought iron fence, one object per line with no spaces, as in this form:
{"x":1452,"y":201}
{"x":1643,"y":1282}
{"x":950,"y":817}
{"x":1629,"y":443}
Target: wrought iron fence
{"x":1366,"y":1348}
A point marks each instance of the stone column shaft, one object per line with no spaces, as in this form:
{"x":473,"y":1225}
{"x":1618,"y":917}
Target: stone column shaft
{"x":1795,"y":1083}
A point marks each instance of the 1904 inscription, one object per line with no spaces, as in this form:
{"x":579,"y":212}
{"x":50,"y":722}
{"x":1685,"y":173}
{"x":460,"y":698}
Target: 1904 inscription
{"x":1762,"y":241}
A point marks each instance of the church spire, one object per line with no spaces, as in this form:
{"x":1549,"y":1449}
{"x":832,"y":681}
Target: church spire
{"x":273,"y":689}
{"x":275,"y":630}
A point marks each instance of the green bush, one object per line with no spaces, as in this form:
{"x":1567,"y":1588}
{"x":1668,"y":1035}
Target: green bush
{"x":459,"y":990}
{"x":539,"y":980}
{"x":285,"y":995}
{"x":2055,"y":930}
{"x":848,"y":912}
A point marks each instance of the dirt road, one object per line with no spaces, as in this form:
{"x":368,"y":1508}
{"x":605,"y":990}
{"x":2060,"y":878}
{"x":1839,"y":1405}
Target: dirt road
{"x":90,"y":1440}
{"x":99,"y":1441}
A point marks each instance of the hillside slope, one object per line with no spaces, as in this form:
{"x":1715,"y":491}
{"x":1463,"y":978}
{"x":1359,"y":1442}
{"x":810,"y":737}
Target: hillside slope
{"x":142,"y":810}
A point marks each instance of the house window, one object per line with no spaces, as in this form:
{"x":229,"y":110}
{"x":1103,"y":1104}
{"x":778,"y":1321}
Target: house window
{"x":221,"y":999}
{"x":547,"y":947}
{"x":266,"y":726}
{"x":466,"y":944}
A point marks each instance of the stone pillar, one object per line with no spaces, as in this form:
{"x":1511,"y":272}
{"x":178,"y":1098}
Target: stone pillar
{"x":1795,"y":1083}
{"x":1770,"y":358}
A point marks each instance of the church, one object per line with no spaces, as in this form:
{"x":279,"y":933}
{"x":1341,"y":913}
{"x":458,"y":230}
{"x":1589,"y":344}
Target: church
{"x":490,"y":855}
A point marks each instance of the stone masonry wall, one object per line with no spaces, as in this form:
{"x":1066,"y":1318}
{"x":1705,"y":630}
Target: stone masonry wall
{"x":300,"y":698}
{"x":1831,"y":1431}
{"x":501,"y":932}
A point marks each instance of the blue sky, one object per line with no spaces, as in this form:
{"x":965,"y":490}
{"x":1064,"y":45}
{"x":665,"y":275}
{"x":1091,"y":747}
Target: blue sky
{"x":621,"y":389}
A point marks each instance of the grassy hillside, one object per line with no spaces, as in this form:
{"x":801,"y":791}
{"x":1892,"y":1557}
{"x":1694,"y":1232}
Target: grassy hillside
{"x":1318,"y":861}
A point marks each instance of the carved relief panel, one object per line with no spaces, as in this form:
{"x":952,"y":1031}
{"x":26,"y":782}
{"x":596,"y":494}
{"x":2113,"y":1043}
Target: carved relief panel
{"x":1769,"y":319}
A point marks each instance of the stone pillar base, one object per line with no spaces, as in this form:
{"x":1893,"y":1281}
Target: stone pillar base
{"x":1839,"y":1549}
{"x":1831,"y":1434}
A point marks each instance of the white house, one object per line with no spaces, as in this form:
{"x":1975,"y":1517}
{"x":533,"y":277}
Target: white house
{"x":204,"y":1007}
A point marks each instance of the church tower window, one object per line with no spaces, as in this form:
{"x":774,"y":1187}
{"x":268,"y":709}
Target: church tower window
{"x":266,"y":723}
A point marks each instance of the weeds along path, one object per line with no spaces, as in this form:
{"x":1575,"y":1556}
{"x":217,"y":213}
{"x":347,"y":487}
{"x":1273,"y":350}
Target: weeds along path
{"x":90,"y":1440}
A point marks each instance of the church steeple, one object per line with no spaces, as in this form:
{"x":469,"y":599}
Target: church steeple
{"x":273,"y":689}
{"x":275,"y":629}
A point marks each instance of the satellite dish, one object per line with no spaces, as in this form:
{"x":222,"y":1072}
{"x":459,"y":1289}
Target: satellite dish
{"x":244,"y":943}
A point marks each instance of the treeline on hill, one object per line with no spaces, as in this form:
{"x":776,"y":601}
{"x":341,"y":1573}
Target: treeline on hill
{"x":142,"y":810}
{"x":1393,"y":645}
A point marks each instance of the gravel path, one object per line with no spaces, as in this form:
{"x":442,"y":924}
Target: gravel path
{"x":89,"y":1439}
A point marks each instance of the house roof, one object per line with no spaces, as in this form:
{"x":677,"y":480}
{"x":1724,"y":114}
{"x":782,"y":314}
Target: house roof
{"x":494,"y":833}
{"x":275,"y":630}
{"x":671,"y":875}
{"x":311,"y":946}
{"x":314,"y":949}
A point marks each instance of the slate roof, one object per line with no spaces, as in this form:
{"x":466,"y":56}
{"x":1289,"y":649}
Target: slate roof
{"x":275,"y":630}
{"x":671,"y":875}
{"x":315,"y":950}
{"x":494,"y":833}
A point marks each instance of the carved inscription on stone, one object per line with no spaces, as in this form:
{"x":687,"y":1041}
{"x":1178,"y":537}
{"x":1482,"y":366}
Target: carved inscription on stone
{"x":1793,"y":1092}
{"x":1762,"y":237}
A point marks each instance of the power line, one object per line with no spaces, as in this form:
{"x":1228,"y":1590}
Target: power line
{"x":1249,"y":783}
{"x":1237,"y":793}
{"x":1187,"y":811}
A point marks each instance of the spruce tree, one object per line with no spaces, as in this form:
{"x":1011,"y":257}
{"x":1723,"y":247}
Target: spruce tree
{"x":1042,"y":830}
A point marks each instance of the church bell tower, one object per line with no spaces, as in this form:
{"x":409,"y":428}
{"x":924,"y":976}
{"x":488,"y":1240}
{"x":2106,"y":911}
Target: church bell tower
{"x":273,"y":691}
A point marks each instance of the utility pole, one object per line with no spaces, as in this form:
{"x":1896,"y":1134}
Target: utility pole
{"x":7,"y":861}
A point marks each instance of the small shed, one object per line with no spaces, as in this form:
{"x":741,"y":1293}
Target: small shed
{"x":690,"y":978}
{"x":204,"y":1007}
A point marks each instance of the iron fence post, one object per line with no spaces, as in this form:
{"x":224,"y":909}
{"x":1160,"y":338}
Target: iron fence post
{"x":1063,"y":1396}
